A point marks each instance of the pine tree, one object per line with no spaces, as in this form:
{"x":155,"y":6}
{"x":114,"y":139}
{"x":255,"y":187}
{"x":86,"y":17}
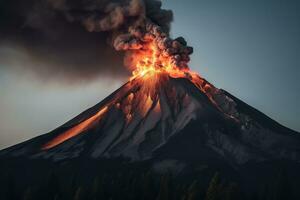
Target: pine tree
{"x":281,"y":188}
{"x":164,"y":191}
{"x":28,"y":194}
{"x":10,"y":190}
{"x":70,"y":188}
{"x":52,"y":189}
{"x":148,"y":189}
{"x":79,"y":194}
{"x":97,"y":188}
{"x":193,"y":191}
{"x":182,"y":192}
{"x":264,"y":194}
{"x":213,"y":188}
{"x":231,"y":192}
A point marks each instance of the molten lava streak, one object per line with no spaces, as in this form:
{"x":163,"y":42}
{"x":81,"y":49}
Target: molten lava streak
{"x":77,"y":129}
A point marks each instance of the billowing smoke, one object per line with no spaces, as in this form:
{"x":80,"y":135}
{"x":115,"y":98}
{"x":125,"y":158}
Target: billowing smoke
{"x":74,"y":37}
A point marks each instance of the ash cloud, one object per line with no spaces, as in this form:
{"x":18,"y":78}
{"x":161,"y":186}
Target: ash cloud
{"x":78,"y":39}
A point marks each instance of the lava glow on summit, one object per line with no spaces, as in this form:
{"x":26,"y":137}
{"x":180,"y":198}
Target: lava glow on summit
{"x":150,"y":62}
{"x":151,"y":68}
{"x":153,"y":57}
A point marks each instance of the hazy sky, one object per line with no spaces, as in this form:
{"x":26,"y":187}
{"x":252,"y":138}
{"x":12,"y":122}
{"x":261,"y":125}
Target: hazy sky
{"x":249,"y":48}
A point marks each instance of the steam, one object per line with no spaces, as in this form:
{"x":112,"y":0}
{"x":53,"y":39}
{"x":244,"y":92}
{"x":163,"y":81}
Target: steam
{"x":74,"y":36}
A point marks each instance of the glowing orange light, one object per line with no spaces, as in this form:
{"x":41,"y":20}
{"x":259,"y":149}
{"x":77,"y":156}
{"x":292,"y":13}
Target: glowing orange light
{"x":149,"y":62}
{"x":146,"y":105}
{"x":150,"y":68}
{"x":157,"y":108}
{"x":79,"y":128}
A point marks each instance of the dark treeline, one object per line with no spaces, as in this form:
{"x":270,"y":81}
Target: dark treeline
{"x":118,"y":179}
{"x":135,"y":185}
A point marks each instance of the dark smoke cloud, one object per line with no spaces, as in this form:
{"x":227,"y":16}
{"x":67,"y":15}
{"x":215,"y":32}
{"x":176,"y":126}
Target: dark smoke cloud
{"x":74,"y":37}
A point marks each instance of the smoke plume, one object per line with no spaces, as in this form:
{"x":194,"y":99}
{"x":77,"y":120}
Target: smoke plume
{"x":74,"y":37}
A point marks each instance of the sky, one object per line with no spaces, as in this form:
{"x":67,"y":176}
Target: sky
{"x":249,"y":48}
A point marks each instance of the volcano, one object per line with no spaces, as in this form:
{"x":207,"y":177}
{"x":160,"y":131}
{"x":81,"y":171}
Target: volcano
{"x":166,"y":134}
{"x":140,"y":119}
{"x":172,"y":123}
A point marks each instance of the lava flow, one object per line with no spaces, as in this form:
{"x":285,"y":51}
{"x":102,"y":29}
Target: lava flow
{"x":79,"y":128}
{"x":151,"y":67}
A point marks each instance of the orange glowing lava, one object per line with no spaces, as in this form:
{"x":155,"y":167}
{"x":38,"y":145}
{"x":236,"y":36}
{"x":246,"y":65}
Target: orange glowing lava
{"x":148,"y":63}
{"x":77,"y":129}
{"x":150,"y":68}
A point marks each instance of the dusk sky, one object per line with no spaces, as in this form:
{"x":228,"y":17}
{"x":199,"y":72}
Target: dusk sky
{"x":249,"y":48}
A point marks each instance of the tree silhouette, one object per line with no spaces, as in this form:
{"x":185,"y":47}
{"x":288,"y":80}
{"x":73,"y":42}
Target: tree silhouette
{"x":164,"y":191}
{"x":281,"y":188}
{"x":213,"y":188}
{"x":28,"y":194}
{"x":148,"y":188}
{"x":97,"y":188}
{"x":79,"y":194}
{"x":193,"y":191}
{"x":231,"y":192}
{"x":9,"y":189}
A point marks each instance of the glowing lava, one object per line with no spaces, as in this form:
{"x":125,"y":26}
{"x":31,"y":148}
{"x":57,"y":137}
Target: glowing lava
{"x":149,"y":63}
{"x":77,"y":129}
{"x":150,"y":68}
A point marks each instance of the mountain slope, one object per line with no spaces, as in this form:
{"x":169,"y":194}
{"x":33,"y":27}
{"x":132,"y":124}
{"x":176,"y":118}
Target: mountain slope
{"x":139,"y":119}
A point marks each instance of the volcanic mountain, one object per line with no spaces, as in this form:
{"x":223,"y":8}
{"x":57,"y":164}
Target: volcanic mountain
{"x":172,"y":122}
{"x":145,"y":117}
{"x":166,"y":134}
